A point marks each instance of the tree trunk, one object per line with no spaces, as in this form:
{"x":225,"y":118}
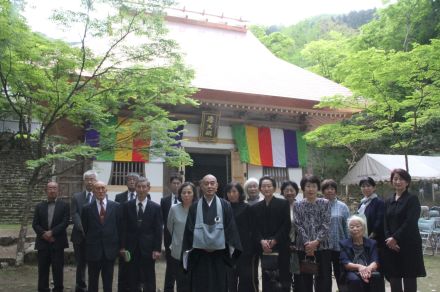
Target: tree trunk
{"x":406,"y":162}
{"x":25,"y":220}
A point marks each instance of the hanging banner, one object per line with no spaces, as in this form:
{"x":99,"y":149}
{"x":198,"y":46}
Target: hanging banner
{"x":128,"y":148}
{"x":270,"y":147}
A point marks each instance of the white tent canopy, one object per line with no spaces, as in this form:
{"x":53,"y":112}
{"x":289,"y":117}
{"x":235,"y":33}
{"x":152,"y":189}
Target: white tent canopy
{"x":379,"y":167}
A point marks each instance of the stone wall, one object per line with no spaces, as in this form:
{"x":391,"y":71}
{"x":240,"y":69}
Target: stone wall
{"x":14,"y":177}
{"x":13,"y":181}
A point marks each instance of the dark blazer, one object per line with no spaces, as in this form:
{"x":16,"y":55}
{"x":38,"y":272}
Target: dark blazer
{"x":122,"y":197}
{"x":401,"y":222}
{"x":102,"y":239}
{"x":272,"y":222}
{"x":347,"y":251}
{"x":375,"y":213}
{"x":148,"y":236}
{"x":165,"y":205}
{"x":76,"y":205}
{"x":59,"y":224}
{"x":401,"y":219}
{"x":243,"y":220}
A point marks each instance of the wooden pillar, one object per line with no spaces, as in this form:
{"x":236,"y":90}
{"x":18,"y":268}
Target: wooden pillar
{"x":237,"y":168}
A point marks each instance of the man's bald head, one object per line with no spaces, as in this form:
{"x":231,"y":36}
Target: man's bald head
{"x":209,"y":186}
{"x":100,"y":190}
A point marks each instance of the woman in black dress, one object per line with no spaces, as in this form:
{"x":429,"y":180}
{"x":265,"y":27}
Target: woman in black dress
{"x":403,"y":253}
{"x":271,"y":220}
{"x":242,"y":277}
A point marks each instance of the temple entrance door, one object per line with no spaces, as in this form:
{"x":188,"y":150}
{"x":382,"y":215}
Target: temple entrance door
{"x":218,"y":165}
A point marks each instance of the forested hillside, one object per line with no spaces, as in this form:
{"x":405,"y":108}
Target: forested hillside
{"x":390,"y":60}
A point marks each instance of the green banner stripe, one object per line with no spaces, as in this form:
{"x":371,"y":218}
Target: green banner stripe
{"x":239,"y":134}
{"x":302,"y":149}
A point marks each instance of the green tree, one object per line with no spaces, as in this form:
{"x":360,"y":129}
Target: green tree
{"x":402,"y":24}
{"x":346,"y":134}
{"x":323,"y":55}
{"x":43,"y":80}
{"x":398,"y":93}
{"x":278,"y":43}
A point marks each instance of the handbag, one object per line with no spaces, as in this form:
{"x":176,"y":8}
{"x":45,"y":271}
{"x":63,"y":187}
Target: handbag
{"x":269,"y":261}
{"x":309,"y":266}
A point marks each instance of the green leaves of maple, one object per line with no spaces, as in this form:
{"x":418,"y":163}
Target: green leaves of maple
{"x":121,"y":65}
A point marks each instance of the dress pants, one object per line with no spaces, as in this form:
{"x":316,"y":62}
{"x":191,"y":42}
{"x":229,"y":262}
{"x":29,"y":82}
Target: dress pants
{"x":142,"y":273}
{"x":103,"y":267}
{"x":336,"y":267}
{"x":81,"y":264}
{"x":123,"y":275}
{"x":183,"y":279}
{"x":46,"y":258}
{"x":323,"y":281}
{"x":255,"y":267}
{"x":170,"y":272}
{"x":241,"y":277}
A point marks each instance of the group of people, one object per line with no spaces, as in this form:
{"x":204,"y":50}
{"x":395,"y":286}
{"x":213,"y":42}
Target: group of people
{"x":217,"y":243}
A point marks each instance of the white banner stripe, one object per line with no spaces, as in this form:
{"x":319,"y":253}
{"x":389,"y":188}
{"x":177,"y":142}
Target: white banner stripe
{"x":278,"y":148}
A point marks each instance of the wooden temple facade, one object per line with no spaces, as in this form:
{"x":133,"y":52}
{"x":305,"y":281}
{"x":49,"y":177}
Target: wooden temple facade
{"x":240,"y":82}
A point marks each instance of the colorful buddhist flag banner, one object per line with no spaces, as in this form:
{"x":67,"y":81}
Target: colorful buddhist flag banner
{"x":127,"y":148}
{"x":270,"y":147}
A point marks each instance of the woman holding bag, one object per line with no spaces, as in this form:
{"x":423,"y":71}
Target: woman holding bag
{"x":312,"y":221}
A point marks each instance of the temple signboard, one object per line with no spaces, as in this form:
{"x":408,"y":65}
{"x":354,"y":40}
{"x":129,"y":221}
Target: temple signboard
{"x":209,"y":127}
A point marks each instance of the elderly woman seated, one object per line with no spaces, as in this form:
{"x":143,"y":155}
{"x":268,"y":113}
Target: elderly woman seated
{"x":359,"y":259}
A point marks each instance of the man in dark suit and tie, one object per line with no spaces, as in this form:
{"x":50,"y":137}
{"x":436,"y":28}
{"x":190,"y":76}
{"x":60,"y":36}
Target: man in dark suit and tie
{"x":128,"y":195}
{"x":79,"y":246}
{"x":50,"y":221}
{"x":142,"y":238}
{"x":165,"y":204}
{"x":101,"y":221}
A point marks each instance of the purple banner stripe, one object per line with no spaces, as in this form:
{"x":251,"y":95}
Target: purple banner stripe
{"x":92,"y":136}
{"x":291,"y":148}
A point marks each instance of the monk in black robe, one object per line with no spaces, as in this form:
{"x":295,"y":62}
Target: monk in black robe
{"x":208,"y":256}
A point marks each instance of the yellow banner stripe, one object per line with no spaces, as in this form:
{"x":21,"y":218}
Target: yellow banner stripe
{"x":253,"y":145}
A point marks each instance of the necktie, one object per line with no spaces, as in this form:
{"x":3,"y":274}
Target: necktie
{"x":175,"y":199}
{"x":89,"y":195}
{"x":139,"y":214}
{"x":131,"y":196}
{"x":102,"y":212}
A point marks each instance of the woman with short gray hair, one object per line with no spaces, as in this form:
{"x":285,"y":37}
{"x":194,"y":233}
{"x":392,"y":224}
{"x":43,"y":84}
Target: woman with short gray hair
{"x":360,"y":259}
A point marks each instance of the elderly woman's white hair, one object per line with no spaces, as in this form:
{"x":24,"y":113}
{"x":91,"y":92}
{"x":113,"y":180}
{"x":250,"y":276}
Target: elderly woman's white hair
{"x":248,"y":182}
{"x":359,"y":219}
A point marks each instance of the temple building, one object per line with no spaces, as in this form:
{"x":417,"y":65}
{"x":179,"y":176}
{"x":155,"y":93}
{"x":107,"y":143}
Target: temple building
{"x":254,"y":108}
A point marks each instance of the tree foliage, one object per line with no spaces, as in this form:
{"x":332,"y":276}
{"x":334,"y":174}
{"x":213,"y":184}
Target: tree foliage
{"x":123,"y":66}
{"x":391,"y":64}
{"x":325,"y":54}
{"x":398,"y":93}
{"x":402,"y":24}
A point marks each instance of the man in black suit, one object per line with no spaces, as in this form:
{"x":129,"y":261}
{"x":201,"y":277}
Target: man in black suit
{"x":101,"y":221}
{"x":142,"y":238}
{"x":165,"y":204}
{"x":50,"y":221}
{"x":128,"y":195}
{"x":79,"y":246}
